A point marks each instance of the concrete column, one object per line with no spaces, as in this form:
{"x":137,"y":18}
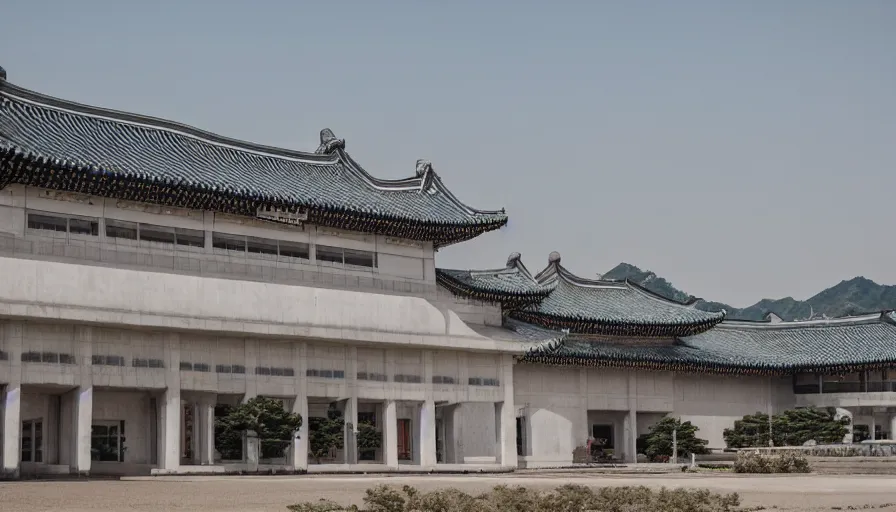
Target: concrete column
{"x":300,"y":445}
{"x":351,"y":430}
{"x":428,"y":433}
{"x":873,"y":427}
{"x":196,"y":437}
{"x":83,"y":424}
{"x":12,"y":430}
{"x":82,"y":414}
{"x":632,"y":417}
{"x":12,"y":334}
{"x":893,"y":427}
{"x":505,"y":416}
{"x":170,"y":409}
{"x":170,"y":419}
{"x":390,"y":433}
{"x":206,"y":422}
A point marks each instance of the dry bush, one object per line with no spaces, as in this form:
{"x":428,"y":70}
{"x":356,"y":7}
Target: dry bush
{"x":569,"y":498}
{"x":788,"y":462}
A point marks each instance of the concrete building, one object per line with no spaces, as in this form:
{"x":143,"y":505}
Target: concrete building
{"x":154,"y":274}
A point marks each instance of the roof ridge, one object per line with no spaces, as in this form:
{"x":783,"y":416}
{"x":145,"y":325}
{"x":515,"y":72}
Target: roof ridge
{"x":158,"y":123}
{"x":870,"y":318}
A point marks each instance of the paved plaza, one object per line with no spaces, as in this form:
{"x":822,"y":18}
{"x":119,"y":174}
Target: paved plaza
{"x":256,"y":494}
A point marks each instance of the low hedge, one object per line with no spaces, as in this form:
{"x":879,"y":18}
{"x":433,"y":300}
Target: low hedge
{"x":569,"y":498}
{"x":788,"y":462}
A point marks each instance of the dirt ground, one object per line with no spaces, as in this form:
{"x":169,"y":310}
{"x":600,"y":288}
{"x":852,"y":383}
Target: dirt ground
{"x":255,"y":494}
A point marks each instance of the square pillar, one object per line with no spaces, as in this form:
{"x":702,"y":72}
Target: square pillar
{"x":390,"y":433}
{"x":206,"y":435}
{"x":300,"y":445}
{"x":170,"y":419}
{"x":631,"y":449}
{"x":505,"y":417}
{"x":350,"y":451}
{"x":12,"y":430}
{"x":428,"y":433}
{"x":83,"y":424}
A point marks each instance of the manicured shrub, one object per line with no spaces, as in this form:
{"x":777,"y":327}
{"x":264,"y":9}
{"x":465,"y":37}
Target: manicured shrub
{"x":568,"y":498}
{"x":753,"y":462}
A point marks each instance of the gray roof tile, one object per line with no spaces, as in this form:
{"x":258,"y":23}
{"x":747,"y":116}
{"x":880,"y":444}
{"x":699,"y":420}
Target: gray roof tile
{"x":827,"y":346}
{"x":60,"y":144}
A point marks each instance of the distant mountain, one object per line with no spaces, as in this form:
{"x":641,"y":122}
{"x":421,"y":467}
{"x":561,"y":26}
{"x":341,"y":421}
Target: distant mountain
{"x":856,"y":296}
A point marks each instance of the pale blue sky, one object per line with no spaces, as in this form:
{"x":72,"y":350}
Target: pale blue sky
{"x":740,"y":149}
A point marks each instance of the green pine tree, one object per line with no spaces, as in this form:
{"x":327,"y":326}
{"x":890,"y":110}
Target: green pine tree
{"x":326,"y":433}
{"x":658,"y":441}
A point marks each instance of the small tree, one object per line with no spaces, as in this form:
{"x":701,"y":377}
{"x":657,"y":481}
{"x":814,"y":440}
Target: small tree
{"x":267,"y":418}
{"x":326,"y":433}
{"x":792,"y":427}
{"x":658,"y":442}
{"x":748,"y":432}
{"x":369,"y":438}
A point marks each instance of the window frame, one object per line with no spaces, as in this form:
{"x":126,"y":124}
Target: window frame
{"x":93,"y":224}
{"x":35,"y":451}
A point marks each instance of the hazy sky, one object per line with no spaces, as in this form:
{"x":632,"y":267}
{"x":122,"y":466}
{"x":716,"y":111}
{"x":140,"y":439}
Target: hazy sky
{"x":740,"y":149}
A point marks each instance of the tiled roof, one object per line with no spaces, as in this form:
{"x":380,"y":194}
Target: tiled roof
{"x":824,"y":346}
{"x":512,"y":285}
{"x":59,"y":144}
{"x":562,"y":300}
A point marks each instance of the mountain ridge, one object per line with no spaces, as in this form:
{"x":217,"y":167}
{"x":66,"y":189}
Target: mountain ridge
{"x":849,"y":297}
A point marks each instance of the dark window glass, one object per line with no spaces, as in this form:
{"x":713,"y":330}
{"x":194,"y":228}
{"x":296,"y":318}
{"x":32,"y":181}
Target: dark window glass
{"x":156,"y":234}
{"x":47,"y":222}
{"x":186,"y":366}
{"x":261,"y":246}
{"x":294,"y":250}
{"x":360,"y":258}
{"x":84,"y":227}
{"x":229,"y":242}
{"x":237,"y":368}
{"x":189,"y":237}
{"x":120,"y":229}
{"x":201,"y":367}
{"x":331,"y":254}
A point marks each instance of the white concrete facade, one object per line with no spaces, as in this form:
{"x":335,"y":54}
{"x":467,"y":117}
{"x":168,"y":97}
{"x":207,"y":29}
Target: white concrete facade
{"x":116,"y":352}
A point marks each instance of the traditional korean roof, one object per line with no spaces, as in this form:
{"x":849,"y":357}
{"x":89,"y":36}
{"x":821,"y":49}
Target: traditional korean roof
{"x":558,"y":299}
{"x":836,"y":346}
{"x":58,"y":144}
{"x":512,"y":286}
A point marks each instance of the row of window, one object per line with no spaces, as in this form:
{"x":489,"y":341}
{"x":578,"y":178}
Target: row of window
{"x":47,"y":357}
{"x":138,"y":362}
{"x":141,"y":232}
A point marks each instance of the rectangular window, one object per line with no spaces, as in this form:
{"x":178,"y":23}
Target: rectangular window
{"x":120,"y":229}
{"x":101,"y":360}
{"x":294,"y":250}
{"x":89,"y":227}
{"x":64,"y":224}
{"x":156,"y":234}
{"x":107,"y":441}
{"x":404,"y":440}
{"x":47,"y":222}
{"x":261,"y":246}
{"x":33,"y":441}
{"x":229,"y":242}
{"x":360,"y":258}
{"x":329,"y":254}
{"x":189,"y":237}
